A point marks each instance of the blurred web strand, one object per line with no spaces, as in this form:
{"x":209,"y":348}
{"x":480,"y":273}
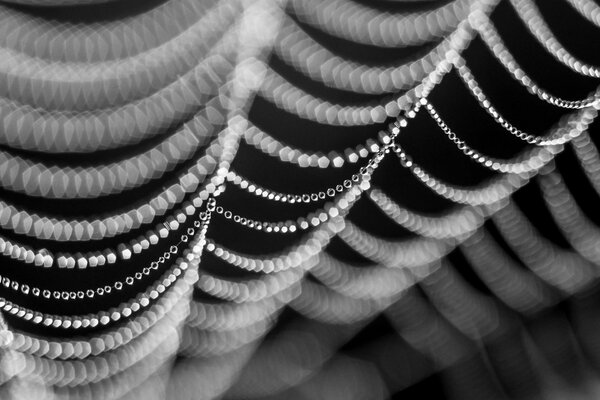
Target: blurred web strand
{"x":344,"y":296}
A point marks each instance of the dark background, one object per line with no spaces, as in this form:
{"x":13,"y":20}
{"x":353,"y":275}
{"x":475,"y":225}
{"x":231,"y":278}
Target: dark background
{"x":407,"y":373}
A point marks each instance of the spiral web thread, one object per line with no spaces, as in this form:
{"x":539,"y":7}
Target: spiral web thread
{"x":172,"y":88}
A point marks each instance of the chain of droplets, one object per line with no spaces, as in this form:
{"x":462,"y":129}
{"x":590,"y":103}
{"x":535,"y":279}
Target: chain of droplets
{"x":268,"y":145}
{"x":126,"y":309}
{"x":124,"y":251}
{"x":495,"y":191}
{"x":235,"y":291}
{"x":494,"y":42}
{"x":106,"y":289}
{"x":530,"y":14}
{"x":33,"y":225}
{"x":166,"y":306}
{"x":502,"y":186}
{"x":137,"y":353}
{"x":310,"y":246}
{"x":402,"y":122}
{"x":292,"y":99}
{"x":115,"y":225}
{"x":465,"y":73}
{"x":529,"y":161}
{"x":253,"y":188}
{"x":269,"y":194}
{"x":160,"y":316}
{"x":316,"y":218}
{"x":312,"y":220}
{"x":274,"y":148}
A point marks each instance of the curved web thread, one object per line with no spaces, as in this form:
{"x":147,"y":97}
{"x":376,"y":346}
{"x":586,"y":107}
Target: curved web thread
{"x":337,"y":292}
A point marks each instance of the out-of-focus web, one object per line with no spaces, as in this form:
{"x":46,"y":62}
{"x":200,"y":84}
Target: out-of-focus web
{"x":139,"y":78}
